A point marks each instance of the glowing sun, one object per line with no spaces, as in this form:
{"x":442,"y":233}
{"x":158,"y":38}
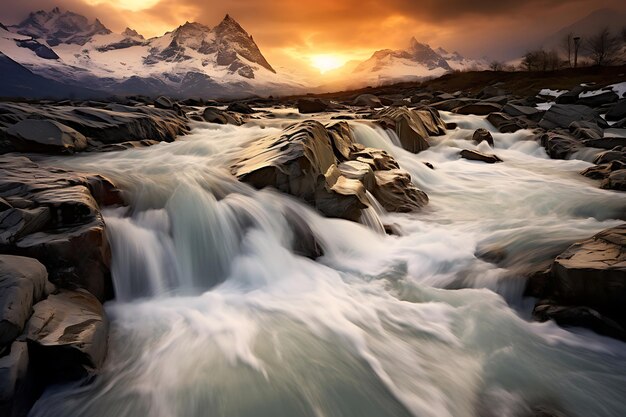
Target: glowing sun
{"x":326,"y":62}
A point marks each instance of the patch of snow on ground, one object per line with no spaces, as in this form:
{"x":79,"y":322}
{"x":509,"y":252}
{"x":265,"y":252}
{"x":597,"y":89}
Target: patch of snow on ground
{"x":553,"y":93}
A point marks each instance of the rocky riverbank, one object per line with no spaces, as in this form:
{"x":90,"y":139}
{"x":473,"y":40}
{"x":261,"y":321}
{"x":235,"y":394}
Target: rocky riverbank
{"x":55,"y":260}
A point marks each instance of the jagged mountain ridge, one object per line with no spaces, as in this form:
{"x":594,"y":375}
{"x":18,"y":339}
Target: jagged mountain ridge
{"x":418,"y":61}
{"x":194,"y":59}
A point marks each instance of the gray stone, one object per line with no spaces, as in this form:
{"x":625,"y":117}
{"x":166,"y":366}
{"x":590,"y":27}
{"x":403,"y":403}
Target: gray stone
{"x":32,"y":135}
{"x":479,"y":156}
{"x":564,"y":115}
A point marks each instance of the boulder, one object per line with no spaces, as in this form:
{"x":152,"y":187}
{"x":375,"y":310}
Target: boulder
{"x":479,"y":156}
{"x":602,"y":171}
{"x":481,"y":135}
{"x":506,"y":123}
{"x":45,"y":136}
{"x":578,"y":316}
{"x":413,"y":127}
{"x":300,"y":161}
{"x":453,"y":104}
{"x":598,"y":100}
{"x":16,"y":391}
{"x":593,"y":273}
{"x":368,"y":100}
{"x":163,"y":102}
{"x":22,"y":283}
{"x":610,"y":156}
{"x":396,"y":193}
{"x":586,"y":130}
{"x":342,"y":140}
{"x":559,"y":145}
{"x":360,"y":171}
{"x":221,"y":117}
{"x":479,"y":109}
{"x":377,"y":159}
{"x":242,"y":108}
{"x":515,"y":110}
{"x":313,"y":105}
{"x":606,"y":143}
{"x":564,"y":115}
{"x":67,"y":336}
{"x":571,"y":96}
{"x":16,"y":223}
{"x":491,"y":91}
{"x":615,"y":181}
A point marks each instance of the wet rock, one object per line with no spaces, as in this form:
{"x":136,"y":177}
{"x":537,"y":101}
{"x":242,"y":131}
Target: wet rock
{"x":602,"y":171}
{"x":605,"y":143}
{"x":531,"y":113}
{"x":424,"y":97}
{"x":221,"y":117}
{"x":491,"y":91}
{"x":360,"y":171}
{"x":16,"y":386}
{"x":481,"y":135}
{"x":342,"y":140}
{"x":571,"y":96}
{"x":615,"y":181}
{"x":479,"y":156}
{"x":300,"y":161}
{"x":368,"y":100}
{"x":617,"y":112}
{"x":453,"y":104}
{"x":564,"y":115}
{"x":479,"y":109}
{"x":163,"y":102}
{"x":586,"y":130}
{"x":45,"y":136}
{"x":16,"y":223}
{"x":559,"y":145}
{"x":396,"y":193}
{"x":67,"y":336}
{"x":579,"y":316}
{"x":598,"y":100}
{"x":505,"y":123}
{"x":22,"y":283}
{"x":413,"y":127}
{"x":377,"y":159}
{"x":242,"y":108}
{"x":610,"y":156}
{"x":313,"y":105}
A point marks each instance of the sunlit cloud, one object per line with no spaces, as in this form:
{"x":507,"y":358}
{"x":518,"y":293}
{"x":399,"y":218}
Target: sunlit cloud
{"x":131,"y":5}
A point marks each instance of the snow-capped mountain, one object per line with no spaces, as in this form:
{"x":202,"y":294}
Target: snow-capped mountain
{"x":192,"y":60}
{"x":419,"y":61}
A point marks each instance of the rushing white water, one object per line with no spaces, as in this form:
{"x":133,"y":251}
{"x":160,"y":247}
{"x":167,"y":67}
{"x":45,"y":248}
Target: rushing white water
{"x":216,"y":315}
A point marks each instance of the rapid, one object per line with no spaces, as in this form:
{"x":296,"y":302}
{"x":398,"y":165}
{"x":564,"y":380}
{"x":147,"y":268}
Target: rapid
{"x":217,"y":315}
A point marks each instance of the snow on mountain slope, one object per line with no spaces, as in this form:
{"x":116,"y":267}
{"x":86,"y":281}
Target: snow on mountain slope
{"x":419,"y":61}
{"x":192,"y":59}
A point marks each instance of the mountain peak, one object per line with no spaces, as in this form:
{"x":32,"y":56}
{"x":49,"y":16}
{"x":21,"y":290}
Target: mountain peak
{"x":60,"y":27}
{"x":132,"y":33}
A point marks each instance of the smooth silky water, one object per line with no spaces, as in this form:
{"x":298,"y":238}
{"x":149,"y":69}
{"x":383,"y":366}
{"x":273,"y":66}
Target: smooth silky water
{"x":215,"y":314}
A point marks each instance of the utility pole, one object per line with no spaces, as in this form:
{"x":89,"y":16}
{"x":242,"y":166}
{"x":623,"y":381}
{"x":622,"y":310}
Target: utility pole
{"x":576,"y":46}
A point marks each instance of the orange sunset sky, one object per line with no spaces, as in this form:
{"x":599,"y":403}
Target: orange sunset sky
{"x":290,"y":32}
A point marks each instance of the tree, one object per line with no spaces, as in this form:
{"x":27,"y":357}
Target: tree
{"x":567,"y":44}
{"x":495,"y":66}
{"x":602,"y":47}
{"x":541,"y":60}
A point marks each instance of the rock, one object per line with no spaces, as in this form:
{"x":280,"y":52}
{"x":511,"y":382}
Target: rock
{"x":242,"y":108}
{"x":564,"y":115}
{"x":418,"y":98}
{"x":367,"y":100}
{"x":413,"y":127}
{"x":531,"y":113}
{"x":610,"y":156}
{"x":501,"y":100}
{"x":598,"y":100}
{"x":313,"y":105}
{"x":301,"y":162}
{"x":505,"y":123}
{"x":71,"y":242}
{"x":586,"y":130}
{"x":16,"y":223}
{"x":480,"y":108}
{"x":16,"y":392}
{"x":615,"y":181}
{"x":570,"y":97}
{"x":481,"y":135}
{"x":396,"y":193}
{"x":491,"y":91}
{"x":342,"y":140}
{"x":67,"y":336}
{"x":559,"y":145}
{"x":605,"y":143}
{"x":45,"y":136}
{"x":22,"y":283}
{"x":579,"y":316}
{"x":453,"y":104}
{"x":213,"y":115}
{"x":114,"y":124}
{"x":479,"y":156}
{"x":361,"y":171}
{"x":593,"y":273}
{"x":377,"y":159}
{"x":4,"y":205}
{"x":600,"y":172}
{"x":163,"y":102}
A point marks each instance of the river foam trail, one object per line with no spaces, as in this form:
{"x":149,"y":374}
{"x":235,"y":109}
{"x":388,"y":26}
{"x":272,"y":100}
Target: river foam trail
{"x":216,"y":314}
